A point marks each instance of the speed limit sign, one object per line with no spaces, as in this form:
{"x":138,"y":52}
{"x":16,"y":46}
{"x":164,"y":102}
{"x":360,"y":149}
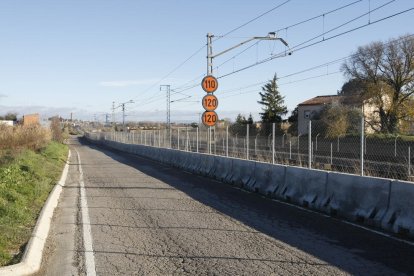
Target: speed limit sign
{"x":209,"y":84}
{"x":210,"y":102}
{"x":209,"y":118}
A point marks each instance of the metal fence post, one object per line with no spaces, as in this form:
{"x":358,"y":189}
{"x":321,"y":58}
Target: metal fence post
{"x":337,"y":145}
{"x":290,"y":149}
{"x":178,"y":138}
{"x":310,"y":144}
{"x":273,"y":142}
{"x":186,"y":144}
{"x":331,"y":153}
{"x":227,"y":141}
{"x":409,"y":161}
{"x":215,"y":140}
{"x":197,"y":140}
{"x":395,"y":145}
{"x":247,"y":141}
{"x":316,"y":142}
{"x":362,"y":144}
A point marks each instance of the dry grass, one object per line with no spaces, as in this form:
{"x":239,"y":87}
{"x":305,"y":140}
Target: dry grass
{"x":14,"y":139}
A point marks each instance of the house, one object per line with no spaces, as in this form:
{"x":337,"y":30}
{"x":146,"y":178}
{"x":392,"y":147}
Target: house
{"x":309,"y":109}
{"x":7,"y":122}
{"x":31,"y":119}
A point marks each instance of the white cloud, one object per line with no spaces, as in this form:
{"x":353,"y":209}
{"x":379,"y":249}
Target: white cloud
{"x":3,"y":96}
{"x":125,"y":83}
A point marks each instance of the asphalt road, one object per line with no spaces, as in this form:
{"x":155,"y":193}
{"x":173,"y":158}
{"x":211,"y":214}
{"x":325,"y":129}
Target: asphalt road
{"x":151,"y":219}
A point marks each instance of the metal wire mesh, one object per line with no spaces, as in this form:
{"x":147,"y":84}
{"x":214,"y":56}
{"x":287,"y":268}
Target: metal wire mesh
{"x":350,"y":150}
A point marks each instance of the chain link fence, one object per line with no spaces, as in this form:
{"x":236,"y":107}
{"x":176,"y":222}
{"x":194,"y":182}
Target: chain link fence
{"x":324,"y":146}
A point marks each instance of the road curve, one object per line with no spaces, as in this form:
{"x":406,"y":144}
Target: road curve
{"x":151,"y":219}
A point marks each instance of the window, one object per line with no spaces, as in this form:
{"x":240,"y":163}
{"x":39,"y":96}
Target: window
{"x":307,"y":114}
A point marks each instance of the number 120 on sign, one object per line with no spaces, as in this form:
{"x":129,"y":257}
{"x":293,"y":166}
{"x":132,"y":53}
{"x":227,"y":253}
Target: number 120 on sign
{"x":209,"y":118}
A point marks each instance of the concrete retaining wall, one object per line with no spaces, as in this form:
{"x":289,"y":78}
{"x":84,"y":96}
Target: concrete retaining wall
{"x":374,"y":201}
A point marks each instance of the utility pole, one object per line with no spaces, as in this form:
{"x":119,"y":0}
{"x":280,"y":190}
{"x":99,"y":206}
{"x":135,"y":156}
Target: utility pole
{"x":209,"y":54}
{"x":113,"y":113}
{"x":168,"y":119}
{"x":122,"y":105}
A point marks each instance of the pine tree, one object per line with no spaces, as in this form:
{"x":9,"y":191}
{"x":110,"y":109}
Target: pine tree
{"x":273,"y":106}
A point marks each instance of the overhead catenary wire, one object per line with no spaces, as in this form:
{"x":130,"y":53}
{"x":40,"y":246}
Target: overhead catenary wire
{"x":312,"y":44}
{"x":284,"y":28}
{"x":200,"y":49}
{"x":312,"y":68}
{"x":251,"y":20}
{"x":226,"y":34}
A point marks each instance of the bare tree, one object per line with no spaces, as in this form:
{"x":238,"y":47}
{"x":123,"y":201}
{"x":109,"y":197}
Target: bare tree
{"x":386,"y":72}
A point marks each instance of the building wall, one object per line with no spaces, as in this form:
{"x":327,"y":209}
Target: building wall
{"x":6,"y":122}
{"x":31,"y":119}
{"x":306,"y":113}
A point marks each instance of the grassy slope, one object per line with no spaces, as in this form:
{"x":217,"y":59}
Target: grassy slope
{"x":25,"y":184}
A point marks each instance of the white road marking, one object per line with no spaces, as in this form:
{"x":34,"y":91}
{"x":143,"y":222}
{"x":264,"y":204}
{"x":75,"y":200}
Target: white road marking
{"x":86,"y":225}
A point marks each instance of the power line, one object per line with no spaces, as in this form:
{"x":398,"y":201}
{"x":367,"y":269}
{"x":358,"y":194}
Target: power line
{"x":173,"y":70}
{"x":313,"y":44}
{"x":317,"y":16}
{"x":251,"y":20}
{"x":200,"y":49}
{"x":398,"y":40}
{"x":305,"y":46}
{"x":290,"y":26}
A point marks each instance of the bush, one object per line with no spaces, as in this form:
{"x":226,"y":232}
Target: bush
{"x":57,"y":133}
{"x":16,"y":138}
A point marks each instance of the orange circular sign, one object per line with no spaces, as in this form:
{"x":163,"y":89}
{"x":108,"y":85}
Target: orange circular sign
{"x":209,"y":118}
{"x":209,"y":84}
{"x":210,"y":102}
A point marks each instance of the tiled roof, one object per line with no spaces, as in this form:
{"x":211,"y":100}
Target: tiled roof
{"x":328,"y":99}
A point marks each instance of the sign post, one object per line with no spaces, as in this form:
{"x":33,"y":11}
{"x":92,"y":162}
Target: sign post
{"x":210,"y":102}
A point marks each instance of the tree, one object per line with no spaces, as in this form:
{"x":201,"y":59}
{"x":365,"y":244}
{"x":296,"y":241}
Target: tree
{"x":337,"y":120}
{"x":56,"y":129}
{"x":352,"y":87}
{"x":273,"y":106}
{"x":386,"y":72}
{"x":9,"y":117}
{"x":293,"y":121}
{"x":239,"y":126}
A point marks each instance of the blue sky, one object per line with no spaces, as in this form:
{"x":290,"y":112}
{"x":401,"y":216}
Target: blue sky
{"x":58,"y":57}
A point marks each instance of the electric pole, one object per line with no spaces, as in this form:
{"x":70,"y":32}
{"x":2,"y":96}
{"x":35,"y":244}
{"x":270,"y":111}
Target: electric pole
{"x":113,"y":113}
{"x":168,"y":121}
{"x":123,"y":113}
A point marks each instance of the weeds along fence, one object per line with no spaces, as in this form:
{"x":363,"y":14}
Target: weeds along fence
{"x":352,"y":151}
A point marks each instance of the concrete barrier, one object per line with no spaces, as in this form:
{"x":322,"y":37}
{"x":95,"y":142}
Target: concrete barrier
{"x":400,"y":215}
{"x":242,"y":174}
{"x":222,"y":169}
{"x":305,"y":187}
{"x":269,"y":178}
{"x":206,"y":164}
{"x":374,"y":201}
{"x":364,"y":199}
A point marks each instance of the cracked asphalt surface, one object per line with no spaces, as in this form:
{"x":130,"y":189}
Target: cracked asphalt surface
{"x":151,"y":219}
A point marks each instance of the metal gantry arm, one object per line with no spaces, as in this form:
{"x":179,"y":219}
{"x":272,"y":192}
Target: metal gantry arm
{"x":210,"y":56}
